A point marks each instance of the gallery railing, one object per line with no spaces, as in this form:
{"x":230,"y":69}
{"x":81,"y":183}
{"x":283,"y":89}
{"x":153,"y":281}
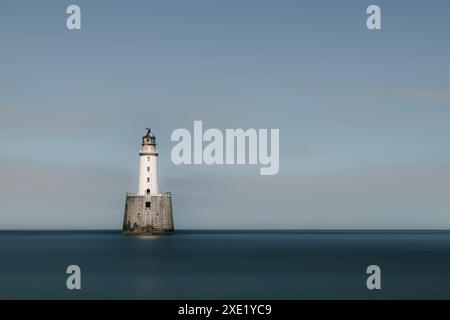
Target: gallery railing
{"x":166,"y":194}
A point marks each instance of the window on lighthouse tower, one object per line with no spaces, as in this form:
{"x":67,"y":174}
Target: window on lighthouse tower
{"x":148,"y":169}
{"x":148,"y":191}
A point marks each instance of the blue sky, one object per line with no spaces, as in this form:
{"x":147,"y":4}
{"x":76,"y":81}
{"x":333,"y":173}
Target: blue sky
{"x":363,"y":115}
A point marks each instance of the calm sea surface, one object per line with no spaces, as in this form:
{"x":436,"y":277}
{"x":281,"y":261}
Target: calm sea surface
{"x":225,"y":264}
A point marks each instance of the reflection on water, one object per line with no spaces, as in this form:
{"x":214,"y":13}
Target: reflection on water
{"x":225,"y":264}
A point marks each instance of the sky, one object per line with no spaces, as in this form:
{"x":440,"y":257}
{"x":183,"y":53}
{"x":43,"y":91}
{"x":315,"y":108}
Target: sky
{"x":363,"y":115}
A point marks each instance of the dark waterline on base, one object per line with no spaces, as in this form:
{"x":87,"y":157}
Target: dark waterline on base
{"x":226,"y":264}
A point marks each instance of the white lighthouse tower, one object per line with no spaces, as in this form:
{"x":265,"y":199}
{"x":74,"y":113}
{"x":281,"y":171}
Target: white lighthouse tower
{"x":148,"y":212}
{"x":148,"y":168}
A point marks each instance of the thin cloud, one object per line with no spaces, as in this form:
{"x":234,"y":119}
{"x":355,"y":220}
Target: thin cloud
{"x":47,"y":120}
{"x":437,"y":94}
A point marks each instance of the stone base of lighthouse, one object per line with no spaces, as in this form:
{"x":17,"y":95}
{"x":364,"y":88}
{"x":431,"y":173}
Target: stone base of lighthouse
{"x":148,"y":215}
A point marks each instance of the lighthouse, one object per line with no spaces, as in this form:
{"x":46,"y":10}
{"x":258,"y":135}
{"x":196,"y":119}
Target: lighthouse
{"x":148,"y":168}
{"x":148,"y":212}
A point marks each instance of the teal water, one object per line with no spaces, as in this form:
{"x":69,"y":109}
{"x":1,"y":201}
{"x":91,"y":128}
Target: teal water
{"x":225,"y":264}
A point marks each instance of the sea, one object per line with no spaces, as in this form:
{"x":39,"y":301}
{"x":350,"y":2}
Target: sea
{"x":225,"y":264}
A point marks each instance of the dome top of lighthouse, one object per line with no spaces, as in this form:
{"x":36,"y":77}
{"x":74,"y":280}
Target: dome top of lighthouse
{"x":149,"y":138}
